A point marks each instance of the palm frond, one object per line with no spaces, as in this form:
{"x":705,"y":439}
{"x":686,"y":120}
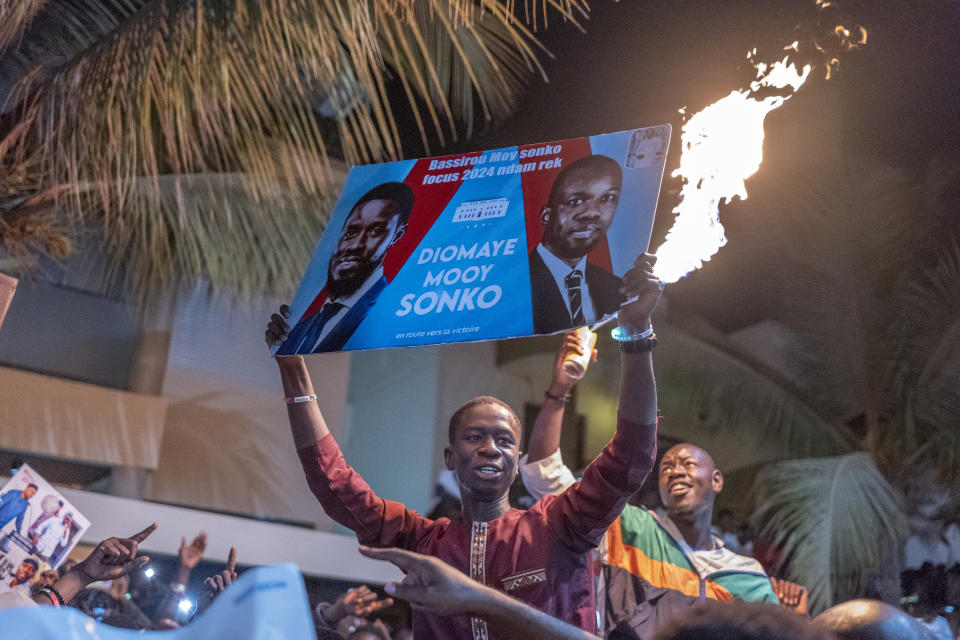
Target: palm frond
{"x":930,"y":359}
{"x":855,"y":231}
{"x":45,"y":32}
{"x":705,"y":377}
{"x":239,"y":243}
{"x":836,"y":519}
{"x":184,"y":87}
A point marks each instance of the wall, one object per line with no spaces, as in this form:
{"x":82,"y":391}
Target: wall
{"x":227,"y":443}
{"x":70,"y":333}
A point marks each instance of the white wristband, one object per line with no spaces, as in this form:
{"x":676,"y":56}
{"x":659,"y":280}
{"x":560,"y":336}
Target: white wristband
{"x":300,"y":399}
{"x":620,"y":336}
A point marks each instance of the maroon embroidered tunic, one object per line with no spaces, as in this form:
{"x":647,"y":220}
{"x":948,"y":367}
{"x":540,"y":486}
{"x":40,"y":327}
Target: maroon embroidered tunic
{"x":539,"y":556}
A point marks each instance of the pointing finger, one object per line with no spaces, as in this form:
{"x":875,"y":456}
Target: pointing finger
{"x":232,"y":560}
{"x":402,"y":559}
{"x":141,"y":536}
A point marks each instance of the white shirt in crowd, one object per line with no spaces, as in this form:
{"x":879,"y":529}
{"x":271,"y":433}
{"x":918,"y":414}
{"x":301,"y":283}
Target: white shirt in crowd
{"x":52,"y":533}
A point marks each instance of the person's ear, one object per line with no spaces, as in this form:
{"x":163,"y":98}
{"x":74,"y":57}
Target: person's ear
{"x":401,"y":228}
{"x":545,"y":212}
{"x":448,"y":458}
{"x":717,"y":481}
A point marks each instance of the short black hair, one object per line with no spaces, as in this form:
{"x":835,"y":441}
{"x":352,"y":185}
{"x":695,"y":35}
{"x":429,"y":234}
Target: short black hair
{"x":586,"y":163}
{"x":396,"y":192}
{"x":458,"y":414}
{"x":36,"y":565}
{"x":740,"y":621}
{"x":35,"y":487}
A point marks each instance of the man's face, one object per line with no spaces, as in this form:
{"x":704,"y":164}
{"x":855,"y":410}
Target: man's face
{"x":582,"y":212}
{"x":484,"y":452}
{"x":29,"y":492}
{"x":367,"y":234}
{"x":25,"y":571}
{"x":688,"y":480}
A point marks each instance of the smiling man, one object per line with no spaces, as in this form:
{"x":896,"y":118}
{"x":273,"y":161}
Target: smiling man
{"x":657,"y":564}
{"x":355,"y":276}
{"x":567,"y":291}
{"x":540,"y":555}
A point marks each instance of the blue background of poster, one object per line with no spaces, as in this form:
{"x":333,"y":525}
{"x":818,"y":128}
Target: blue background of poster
{"x":359,"y":181}
{"x":405,"y":313}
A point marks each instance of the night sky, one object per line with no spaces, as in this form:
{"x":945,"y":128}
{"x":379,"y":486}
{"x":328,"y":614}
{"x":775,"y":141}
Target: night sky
{"x":894,"y":102}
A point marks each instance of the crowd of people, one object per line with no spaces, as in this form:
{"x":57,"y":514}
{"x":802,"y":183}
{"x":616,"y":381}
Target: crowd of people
{"x":586,"y":559}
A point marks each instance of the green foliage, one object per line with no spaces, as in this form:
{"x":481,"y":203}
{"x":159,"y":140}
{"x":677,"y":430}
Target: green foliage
{"x":836,"y":519}
{"x":272,"y":93}
{"x":705,"y":378}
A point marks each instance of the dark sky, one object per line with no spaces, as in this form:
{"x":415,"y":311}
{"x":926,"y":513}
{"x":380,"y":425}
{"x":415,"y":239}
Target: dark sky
{"x":640,"y":60}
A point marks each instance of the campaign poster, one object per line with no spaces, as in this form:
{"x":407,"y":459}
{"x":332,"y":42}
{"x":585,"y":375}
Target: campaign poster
{"x":38,"y":528}
{"x":525,"y":240}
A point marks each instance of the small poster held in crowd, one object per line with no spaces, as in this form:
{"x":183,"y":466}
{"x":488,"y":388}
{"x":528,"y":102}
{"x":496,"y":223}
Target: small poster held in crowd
{"x":532,"y":239}
{"x":38,"y":528}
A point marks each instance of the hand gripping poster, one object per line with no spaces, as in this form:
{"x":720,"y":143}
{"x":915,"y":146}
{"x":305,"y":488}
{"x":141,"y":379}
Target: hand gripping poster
{"x":38,"y":528}
{"x":509,"y":242}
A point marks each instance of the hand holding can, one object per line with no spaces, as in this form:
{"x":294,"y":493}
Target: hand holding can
{"x":575,"y":364}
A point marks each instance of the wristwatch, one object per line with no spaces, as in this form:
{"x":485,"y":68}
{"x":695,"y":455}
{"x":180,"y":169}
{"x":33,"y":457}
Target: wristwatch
{"x":641,"y":345}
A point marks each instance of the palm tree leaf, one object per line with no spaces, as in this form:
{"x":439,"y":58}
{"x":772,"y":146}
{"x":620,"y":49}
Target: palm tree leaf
{"x":705,"y":377}
{"x":854,"y":233}
{"x":930,"y":358}
{"x":183,"y":87}
{"x":836,"y":519}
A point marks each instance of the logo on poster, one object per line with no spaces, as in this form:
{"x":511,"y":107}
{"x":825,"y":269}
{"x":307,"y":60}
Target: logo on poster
{"x":476,"y":210}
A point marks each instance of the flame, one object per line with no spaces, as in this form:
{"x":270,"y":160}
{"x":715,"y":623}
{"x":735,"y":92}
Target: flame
{"x":721,"y":146}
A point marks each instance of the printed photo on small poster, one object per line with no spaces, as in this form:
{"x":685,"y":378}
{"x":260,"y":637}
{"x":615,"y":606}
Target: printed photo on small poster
{"x":518,"y":241}
{"x":38,"y":528}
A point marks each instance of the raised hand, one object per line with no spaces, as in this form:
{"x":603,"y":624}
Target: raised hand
{"x":430,"y":584}
{"x":362,"y":601}
{"x":791,"y":595}
{"x":277,"y":328}
{"x":192,"y":554}
{"x":114,"y":557}
{"x":217,"y":583}
{"x":563,"y":382}
{"x":644,"y":289}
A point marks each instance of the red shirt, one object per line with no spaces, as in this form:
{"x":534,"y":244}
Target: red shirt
{"x":539,"y":556}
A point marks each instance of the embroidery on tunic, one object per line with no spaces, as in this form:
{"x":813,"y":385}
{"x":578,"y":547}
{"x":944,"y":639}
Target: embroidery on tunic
{"x":524,"y":579}
{"x":478,"y":572}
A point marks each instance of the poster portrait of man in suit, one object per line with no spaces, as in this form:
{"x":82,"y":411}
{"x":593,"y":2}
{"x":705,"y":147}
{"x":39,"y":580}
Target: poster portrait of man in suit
{"x":355,"y":275}
{"x":567,"y":291}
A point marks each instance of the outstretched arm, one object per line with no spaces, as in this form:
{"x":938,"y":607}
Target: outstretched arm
{"x":342,"y":492}
{"x":109,"y":560}
{"x":584,"y":511}
{"x":434,"y":586}
{"x":306,"y":421}
{"x":545,"y":436}
{"x":638,"y":391}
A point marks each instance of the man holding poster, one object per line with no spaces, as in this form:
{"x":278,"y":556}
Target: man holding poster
{"x":566,"y":290}
{"x":355,"y":274}
{"x":539,"y":555}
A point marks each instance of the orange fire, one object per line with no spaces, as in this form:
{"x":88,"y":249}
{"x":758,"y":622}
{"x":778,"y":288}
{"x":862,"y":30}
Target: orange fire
{"x":722,"y":146}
